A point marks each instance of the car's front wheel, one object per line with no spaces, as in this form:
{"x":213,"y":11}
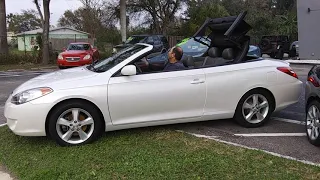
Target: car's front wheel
{"x":75,"y":123}
{"x":313,"y":123}
{"x":254,"y":109}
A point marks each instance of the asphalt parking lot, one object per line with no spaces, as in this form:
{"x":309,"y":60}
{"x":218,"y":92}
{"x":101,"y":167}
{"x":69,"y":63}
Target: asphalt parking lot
{"x":284,"y":134}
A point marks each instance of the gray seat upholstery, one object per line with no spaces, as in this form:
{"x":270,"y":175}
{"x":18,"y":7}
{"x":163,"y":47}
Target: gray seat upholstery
{"x":188,"y":61}
{"x":216,"y":58}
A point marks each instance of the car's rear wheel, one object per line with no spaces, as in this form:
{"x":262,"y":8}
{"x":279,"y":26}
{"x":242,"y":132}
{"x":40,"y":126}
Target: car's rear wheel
{"x":313,"y":123}
{"x":75,"y":123}
{"x":254,"y":109}
{"x":62,"y":67}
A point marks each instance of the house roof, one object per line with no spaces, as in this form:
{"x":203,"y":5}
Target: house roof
{"x":36,"y":31}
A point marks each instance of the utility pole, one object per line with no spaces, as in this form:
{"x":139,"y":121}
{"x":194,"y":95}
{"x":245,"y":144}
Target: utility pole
{"x":3,"y":28}
{"x":123,"y":18}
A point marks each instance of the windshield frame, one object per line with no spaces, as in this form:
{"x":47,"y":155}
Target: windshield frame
{"x":144,"y":48}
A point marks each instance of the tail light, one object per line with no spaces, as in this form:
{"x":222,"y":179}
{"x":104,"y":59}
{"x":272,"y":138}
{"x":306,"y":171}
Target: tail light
{"x":288,"y":71}
{"x":313,"y":81}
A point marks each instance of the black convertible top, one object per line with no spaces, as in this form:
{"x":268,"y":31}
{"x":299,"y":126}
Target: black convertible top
{"x":231,"y":27}
{"x":226,"y":32}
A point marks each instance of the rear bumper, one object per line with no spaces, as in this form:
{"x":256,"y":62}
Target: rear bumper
{"x":72,"y":64}
{"x":287,"y":94}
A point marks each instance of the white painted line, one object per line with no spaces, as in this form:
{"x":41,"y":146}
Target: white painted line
{"x":1,"y":125}
{"x":271,"y":134}
{"x":288,"y":120}
{"x":251,"y":148}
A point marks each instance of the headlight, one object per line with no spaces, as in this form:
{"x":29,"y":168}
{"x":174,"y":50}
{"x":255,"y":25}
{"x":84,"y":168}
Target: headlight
{"x":30,"y":95}
{"x":87,"y":57}
{"x":60,"y":57}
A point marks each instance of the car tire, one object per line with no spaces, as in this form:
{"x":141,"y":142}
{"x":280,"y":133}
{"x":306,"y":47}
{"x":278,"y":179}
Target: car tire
{"x":71,"y":131}
{"x":272,"y":55}
{"x":313,"y":139}
{"x":62,"y":67}
{"x":280,"y":54}
{"x":257,"y":102}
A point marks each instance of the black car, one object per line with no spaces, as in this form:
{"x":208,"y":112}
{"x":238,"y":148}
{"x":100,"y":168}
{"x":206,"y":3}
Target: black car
{"x":159,"y":42}
{"x":275,"y":46}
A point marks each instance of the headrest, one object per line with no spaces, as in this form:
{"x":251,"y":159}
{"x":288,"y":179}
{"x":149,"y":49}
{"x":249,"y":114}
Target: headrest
{"x":214,"y":52}
{"x":188,"y":61}
{"x":228,"y":54}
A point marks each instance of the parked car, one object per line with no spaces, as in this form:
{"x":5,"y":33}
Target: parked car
{"x":294,"y":49}
{"x":159,"y":42}
{"x":275,"y":46}
{"x":193,"y":48}
{"x":75,"y":106}
{"x":77,"y":54}
{"x":313,"y":105}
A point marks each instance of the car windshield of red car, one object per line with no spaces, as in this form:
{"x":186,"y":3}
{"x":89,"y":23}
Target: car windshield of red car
{"x":79,"y":47}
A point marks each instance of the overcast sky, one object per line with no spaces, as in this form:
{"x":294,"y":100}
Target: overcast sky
{"x":57,"y":7}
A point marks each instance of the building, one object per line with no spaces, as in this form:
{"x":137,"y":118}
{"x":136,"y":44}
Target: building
{"x":27,"y":40}
{"x":309,"y":29}
{"x":10,"y":37}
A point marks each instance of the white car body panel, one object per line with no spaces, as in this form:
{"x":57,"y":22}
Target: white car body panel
{"x":152,"y":99}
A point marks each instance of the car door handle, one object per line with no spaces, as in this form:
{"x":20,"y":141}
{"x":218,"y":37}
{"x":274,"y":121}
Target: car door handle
{"x":197,"y":81}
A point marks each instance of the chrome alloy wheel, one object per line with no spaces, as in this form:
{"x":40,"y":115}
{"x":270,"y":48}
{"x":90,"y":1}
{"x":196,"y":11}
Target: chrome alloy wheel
{"x":313,"y":122}
{"x":75,"y":126}
{"x":255,"y":108}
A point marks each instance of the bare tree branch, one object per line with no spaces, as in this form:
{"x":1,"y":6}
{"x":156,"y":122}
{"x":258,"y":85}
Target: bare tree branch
{"x":36,"y":2}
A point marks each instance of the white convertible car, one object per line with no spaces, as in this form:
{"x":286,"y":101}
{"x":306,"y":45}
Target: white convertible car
{"x":75,"y":106}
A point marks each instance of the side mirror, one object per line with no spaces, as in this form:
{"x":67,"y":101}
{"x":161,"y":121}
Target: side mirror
{"x":129,"y":70}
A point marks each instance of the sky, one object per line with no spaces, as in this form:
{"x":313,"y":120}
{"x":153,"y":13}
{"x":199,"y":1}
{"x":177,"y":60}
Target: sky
{"x":57,"y":7}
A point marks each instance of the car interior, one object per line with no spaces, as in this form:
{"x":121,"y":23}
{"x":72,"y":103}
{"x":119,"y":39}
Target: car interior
{"x":229,"y":44}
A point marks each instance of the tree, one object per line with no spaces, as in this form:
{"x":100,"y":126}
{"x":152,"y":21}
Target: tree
{"x":45,"y":18}
{"x":26,"y":21}
{"x":161,"y":12}
{"x":197,"y":12}
{"x":3,"y":28}
{"x":123,"y":18}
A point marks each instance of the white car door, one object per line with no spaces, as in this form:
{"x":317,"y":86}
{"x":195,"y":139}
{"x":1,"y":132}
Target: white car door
{"x":177,"y":96}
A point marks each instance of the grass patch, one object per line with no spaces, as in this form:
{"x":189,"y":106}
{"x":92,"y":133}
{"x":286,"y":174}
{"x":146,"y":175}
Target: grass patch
{"x":148,"y":153}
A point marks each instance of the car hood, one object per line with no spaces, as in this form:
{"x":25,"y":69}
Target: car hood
{"x":73,"y":52}
{"x":57,"y":80}
{"x":123,"y":45}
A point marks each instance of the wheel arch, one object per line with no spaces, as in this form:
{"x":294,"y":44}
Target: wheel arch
{"x":273,"y":100}
{"x":68,"y":100}
{"x":310,"y":99}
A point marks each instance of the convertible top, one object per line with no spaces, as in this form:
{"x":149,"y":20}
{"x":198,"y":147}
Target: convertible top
{"x":226,"y":32}
{"x":231,"y":28}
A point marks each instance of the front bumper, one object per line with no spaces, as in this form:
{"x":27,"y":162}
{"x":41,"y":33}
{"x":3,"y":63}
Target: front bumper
{"x":26,"y":119}
{"x":73,"y":64}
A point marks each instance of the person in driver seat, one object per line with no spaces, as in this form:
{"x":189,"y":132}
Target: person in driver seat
{"x":174,"y":57}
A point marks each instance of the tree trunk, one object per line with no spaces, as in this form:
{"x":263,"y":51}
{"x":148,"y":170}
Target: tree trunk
{"x":123,"y":18}
{"x":3,"y":28}
{"x":45,"y":35}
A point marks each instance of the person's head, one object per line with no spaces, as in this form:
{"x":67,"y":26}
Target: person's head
{"x":175,"y":54}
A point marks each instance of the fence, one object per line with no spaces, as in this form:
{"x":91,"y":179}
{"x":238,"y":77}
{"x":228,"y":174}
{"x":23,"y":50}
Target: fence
{"x":173,"y":40}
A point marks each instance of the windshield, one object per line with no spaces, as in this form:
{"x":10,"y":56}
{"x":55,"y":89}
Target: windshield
{"x":190,"y":45}
{"x":78,"y":47}
{"x":134,"y":39}
{"x":117,"y":58}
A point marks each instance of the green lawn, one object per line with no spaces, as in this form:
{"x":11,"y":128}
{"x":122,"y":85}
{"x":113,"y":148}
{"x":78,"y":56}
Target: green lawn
{"x":149,"y":153}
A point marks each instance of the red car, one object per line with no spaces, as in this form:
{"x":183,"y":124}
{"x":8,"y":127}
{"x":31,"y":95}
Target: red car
{"x":77,"y":54}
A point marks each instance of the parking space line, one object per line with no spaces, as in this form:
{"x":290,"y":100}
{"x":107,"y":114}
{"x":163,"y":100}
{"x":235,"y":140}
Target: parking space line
{"x":271,"y":134}
{"x":288,"y":120}
{"x":1,"y":125}
{"x":251,"y":148}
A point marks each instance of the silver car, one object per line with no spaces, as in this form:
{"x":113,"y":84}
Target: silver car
{"x":313,"y":105}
